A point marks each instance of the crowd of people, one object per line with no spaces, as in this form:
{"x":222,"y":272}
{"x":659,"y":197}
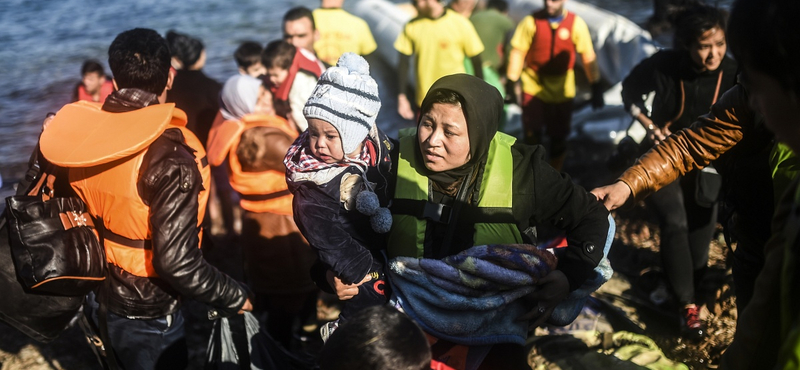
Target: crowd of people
{"x":433,"y":241}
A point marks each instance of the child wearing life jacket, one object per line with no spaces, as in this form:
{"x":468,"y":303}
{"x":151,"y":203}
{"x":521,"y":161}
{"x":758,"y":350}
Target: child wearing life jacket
{"x":338,"y":171}
{"x":292,"y":73}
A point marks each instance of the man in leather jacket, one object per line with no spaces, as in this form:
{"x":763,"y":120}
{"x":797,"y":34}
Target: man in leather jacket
{"x":154,"y":260}
{"x":733,"y":136}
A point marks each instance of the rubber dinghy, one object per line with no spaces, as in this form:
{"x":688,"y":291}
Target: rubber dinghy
{"x":619,"y":43}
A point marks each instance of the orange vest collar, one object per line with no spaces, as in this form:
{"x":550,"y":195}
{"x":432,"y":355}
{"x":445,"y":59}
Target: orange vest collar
{"x":83,"y":135}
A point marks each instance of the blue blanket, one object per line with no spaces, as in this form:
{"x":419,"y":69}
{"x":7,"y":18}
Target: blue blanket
{"x":472,"y":297}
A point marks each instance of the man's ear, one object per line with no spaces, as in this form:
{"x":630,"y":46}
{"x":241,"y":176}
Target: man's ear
{"x":317,"y":35}
{"x":170,"y":78}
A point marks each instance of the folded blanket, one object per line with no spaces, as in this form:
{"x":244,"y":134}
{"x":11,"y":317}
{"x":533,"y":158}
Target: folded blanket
{"x":472,"y":298}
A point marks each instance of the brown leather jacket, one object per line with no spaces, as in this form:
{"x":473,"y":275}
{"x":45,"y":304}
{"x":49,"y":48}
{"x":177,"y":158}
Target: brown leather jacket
{"x":692,"y":148}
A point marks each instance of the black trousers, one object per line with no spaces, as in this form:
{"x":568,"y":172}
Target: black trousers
{"x":686,"y":232}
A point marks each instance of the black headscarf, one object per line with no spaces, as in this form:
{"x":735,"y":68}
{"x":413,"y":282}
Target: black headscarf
{"x":483,"y":108}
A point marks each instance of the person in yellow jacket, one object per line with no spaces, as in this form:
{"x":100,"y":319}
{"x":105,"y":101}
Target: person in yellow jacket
{"x":143,"y":176}
{"x":340,"y":32}
{"x":277,"y":258}
{"x":441,"y":40}
{"x":543,"y":61}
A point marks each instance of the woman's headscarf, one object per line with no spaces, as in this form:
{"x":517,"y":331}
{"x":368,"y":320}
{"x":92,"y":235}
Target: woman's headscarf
{"x":239,"y":96}
{"x":483,"y":108}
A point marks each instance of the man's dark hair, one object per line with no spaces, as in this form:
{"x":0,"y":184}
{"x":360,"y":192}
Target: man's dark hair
{"x":139,"y":58}
{"x":278,"y":54}
{"x":693,"y":21}
{"x":247,"y":54}
{"x":377,"y":338}
{"x":92,"y":66}
{"x":300,"y":12}
{"x":764,"y":35}
{"x":184,"y":47}
{"x":499,"y":5}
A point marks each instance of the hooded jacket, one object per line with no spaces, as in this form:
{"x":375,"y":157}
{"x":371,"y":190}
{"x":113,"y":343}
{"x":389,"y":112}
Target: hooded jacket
{"x":540,"y":195}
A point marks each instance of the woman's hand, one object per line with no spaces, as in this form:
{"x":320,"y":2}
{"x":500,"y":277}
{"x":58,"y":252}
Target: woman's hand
{"x":654,"y":133}
{"x":345,"y":291}
{"x":613,"y":196}
{"x":551,"y":290}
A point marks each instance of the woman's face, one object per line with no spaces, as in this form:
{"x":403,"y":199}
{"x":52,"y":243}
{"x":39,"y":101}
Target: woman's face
{"x":710,"y":48}
{"x":443,"y":137}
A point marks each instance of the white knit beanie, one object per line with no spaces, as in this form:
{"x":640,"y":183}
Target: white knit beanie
{"x":347,"y":98}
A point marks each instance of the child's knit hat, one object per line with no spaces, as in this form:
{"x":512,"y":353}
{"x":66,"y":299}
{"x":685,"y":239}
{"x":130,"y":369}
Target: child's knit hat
{"x":347,"y":98}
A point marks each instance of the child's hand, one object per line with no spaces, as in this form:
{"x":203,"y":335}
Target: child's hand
{"x":345,"y":291}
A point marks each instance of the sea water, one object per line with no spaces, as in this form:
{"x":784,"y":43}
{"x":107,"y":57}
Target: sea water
{"x":44,"y":43}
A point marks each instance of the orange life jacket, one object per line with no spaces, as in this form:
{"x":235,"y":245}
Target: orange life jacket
{"x":303,"y":63}
{"x":551,"y":53}
{"x":105,"y":90}
{"x":104,"y":152}
{"x":259,"y":191}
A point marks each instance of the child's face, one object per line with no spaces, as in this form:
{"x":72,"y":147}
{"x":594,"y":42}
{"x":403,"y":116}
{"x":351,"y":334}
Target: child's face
{"x":324,"y":141}
{"x":277,"y":75}
{"x":264,"y":103}
{"x":92,"y":82}
{"x":256,"y":70}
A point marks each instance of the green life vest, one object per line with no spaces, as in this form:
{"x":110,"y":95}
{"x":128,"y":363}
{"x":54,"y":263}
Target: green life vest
{"x":494,"y":221}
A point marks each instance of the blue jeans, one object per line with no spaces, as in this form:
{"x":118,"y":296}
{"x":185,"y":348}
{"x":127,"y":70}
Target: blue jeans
{"x":145,"y":344}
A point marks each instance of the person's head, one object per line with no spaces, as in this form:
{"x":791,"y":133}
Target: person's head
{"x":331,"y":3}
{"x":92,"y":76}
{"x":463,"y":7}
{"x":429,"y":8}
{"x":377,"y":338}
{"x":700,"y":31}
{"x":499,"y":5}
{"x":299,"y":28}
{"x":242,"y":95}
{"x":764,"y":37}
{"x":187,"y":52}
{"x":458,"y":119}
{"x":248,"y":59}
{"x":342,"y":110}
{"x":140,"y":59}
{"x":277,"y":58}
{"x":554,"y":8}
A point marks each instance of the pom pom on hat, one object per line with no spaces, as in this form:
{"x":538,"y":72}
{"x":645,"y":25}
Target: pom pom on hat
{"x":381,"y":221}
{"x":367,"y":203}
{"x":347,"y":98}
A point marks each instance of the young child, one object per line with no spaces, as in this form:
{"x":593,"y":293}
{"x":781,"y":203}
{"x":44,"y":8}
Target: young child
{"x":338,"y":171}
{"x":378,"y":338}
{"x":292,"y":73}
{"x":248,"y":59}
{"x":94,"y":85}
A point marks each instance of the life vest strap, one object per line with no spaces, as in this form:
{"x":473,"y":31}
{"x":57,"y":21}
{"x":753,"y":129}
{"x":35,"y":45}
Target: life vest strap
{"x":422,"y":210}
{"x":122,"y":240}
{"x":441,"y":213}
{"x":270,"y":196}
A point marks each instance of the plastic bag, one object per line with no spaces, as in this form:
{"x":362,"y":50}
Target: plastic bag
{"x":239,"y":343}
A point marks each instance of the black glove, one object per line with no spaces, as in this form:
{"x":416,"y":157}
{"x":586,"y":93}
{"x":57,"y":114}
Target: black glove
{"x":597,"y":96}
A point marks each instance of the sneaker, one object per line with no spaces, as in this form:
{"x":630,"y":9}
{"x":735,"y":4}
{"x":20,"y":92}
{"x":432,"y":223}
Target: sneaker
{"x":326,"y":330}
{"x":692,"y":328}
